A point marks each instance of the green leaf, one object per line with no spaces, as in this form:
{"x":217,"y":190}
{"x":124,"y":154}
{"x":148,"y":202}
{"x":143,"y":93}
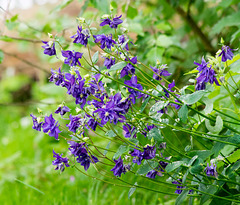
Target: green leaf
{"x":132,"y":12}
{"x":107,"y":147}
{"x":1,"y":56}
{"x":144,"y":104}
{"x":174,"y":165}
{"x":211,"y":190}
{"x":6,"y":39}
{"x":183,"y":113}
{"x":230,"y":20}
{"x":95,"y":58}
{"x":218,"y":126}
{"x":193,"y":98}
{"x":209,"y":105}
{"x":136,"y":28}
{"x":158,"y":106}
{"x":117,"y":66}
{"x":147,"y":167}
{"x":181,"y":197}
{"x":132,"y":190}
{"x":155,"y":134}
{"x":165,"y":41}
{"x":192,"y":160}
{"x":122,"y":149}
{"x":196,"y":169}
{"x":110,"y":133}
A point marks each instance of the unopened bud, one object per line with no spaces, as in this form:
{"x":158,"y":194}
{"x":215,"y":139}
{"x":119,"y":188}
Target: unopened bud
{"x":81,"y":20}
{"x":50,"y":35}
{"x":105,"y":16}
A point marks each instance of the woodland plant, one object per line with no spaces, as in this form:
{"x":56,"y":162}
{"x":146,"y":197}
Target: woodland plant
{"x":184,"y":139}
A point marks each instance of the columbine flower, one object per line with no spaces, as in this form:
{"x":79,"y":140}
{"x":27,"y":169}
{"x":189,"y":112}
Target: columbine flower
{"x":62,"y":110}
{"x":51,"y":126}
{"x":201,"y":66}
{"x":109,"y":62}
{"x":226,"y":53}
{"x":129,"y":68}
{"x":205,"y":76}
{"x":106,"y":41}
{"x":49,"y":48}
{"x":128,"y":130}
{"x":60,"y":161}
{"x":122,"y":39}
{"x":57,"y":77}
{"x":160,"y":72}
{"x":113,"y":24}
{"x":148,"y":153}
{"x":134,"y":93}
{"x":179,"y":188}
{"x":119,"y":168}
{"x":79,"y":150}
{"x":36,"y":126}
{"x":74,"y":123}
{"x":81,"y":36}
{"x":211,"y":170}
{"x":72,"y":57}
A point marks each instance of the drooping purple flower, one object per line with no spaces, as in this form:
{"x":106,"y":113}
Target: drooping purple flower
{"x":106,"y":41}
{"x":179,"y":188}
{"x":134,"y":93}
{"x":57,"y":77}
{"x":149,"y":152}
{"x":226,"y":53}
{"x":62,"y":110}
{"x":51,"y":126}
{"x":36,"y":125}
{"x":109,"y":62}
{"x":128,"y":130}
{"x":72,"y":57}
{"x":60,"y":162}
{"x":122,"y":39}
{"x":79,"y":150}
{"x":148,"y":128}
{"x":119,"y":168}
{"x":92,"y":123}
{"x":96,"y":85}
{"x":81,"y":36}
{"x":205,"y":76}
{"x":129,"y":68}
{"x":74,"y":123}
{"x":114,"y":23}
{"x":211,"y":170}
{"x":49,"y":48}
{"x":201,"y":66}
{"x":160,"y":72}
{"x":158,"y":170}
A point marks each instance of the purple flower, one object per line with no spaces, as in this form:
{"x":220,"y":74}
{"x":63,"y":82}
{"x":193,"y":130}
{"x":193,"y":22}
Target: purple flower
{"x":119,"y":168}
{"x":148,"y":153}
{"x":74,"y":123}
{"x":148,"y":128}
{"x":81,"y":36}
{"x":62,"y":110}
{"x":36,"y":126}
{"x":51,"y":126}
{"x":109,"y":62}
{"x":211,"y":170}
{"x":134,"y":93}
{"x":113,"y":24}
{"x":79,"y":150}
{"x":49,"y":48}
{"x":179,"y":188}
{"x":122,"y":39}
{"x":60,"y":162}
{"x":226,"y":53}
{"x":129,"y":68}
{"x":205,"y":76}
{"x":152,"y":174}
{"x":201,"y":66}
{"x":72,"y":57}
{"x":128,"y":130}
{"x":160,"y":72}
{"x":106,"y":41}
{"x":57,"y":77}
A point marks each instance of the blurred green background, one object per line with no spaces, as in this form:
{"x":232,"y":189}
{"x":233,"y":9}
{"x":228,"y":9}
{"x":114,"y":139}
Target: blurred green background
{"x":174,"y":32}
